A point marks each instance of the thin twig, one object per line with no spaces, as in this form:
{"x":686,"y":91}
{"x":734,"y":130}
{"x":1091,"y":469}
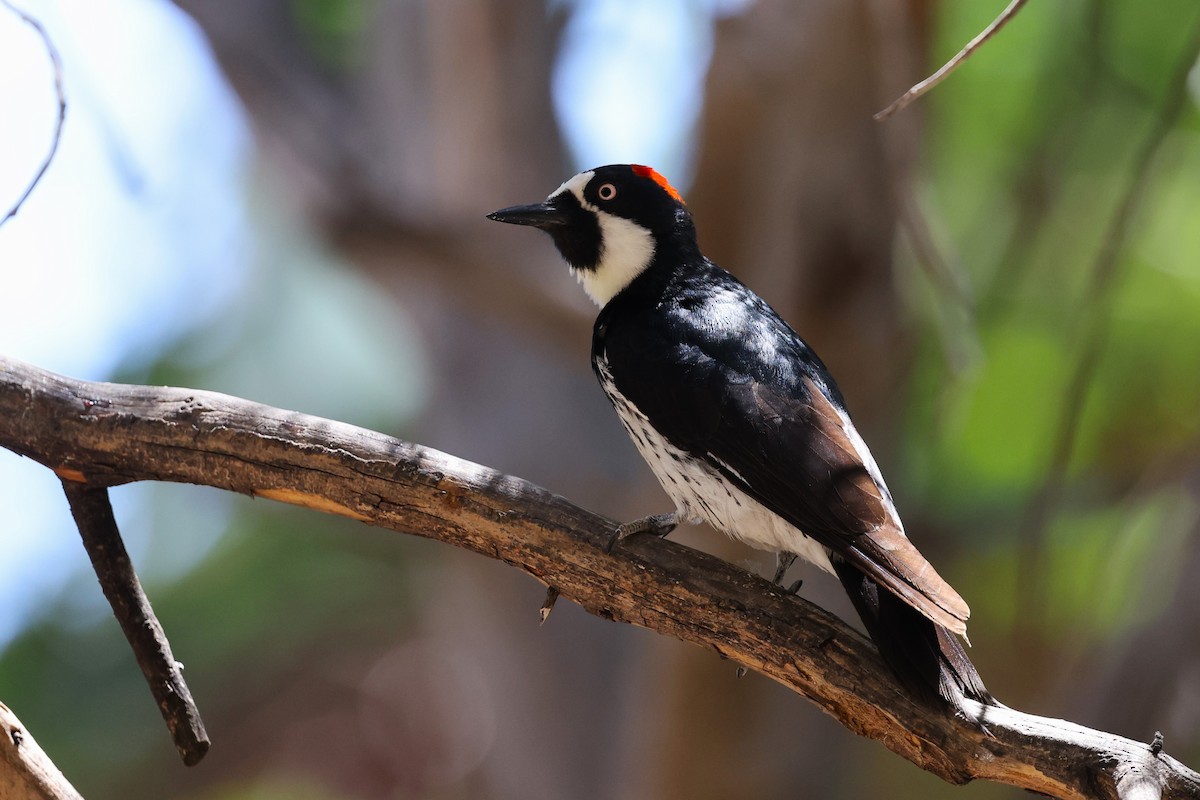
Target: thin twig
{"x":62,"y":106}
{"x":94,"y":516}
{"x":955,"y":319}
{"x":1097,"y":304}
{"x":950,"y":279}
{"x":933,"y":80}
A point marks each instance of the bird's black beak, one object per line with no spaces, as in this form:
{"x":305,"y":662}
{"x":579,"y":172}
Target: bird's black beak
{"x":539,"y":215}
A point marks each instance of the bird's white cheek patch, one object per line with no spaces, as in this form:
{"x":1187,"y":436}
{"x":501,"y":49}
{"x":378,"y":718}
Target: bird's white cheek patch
{"x":626,"y":250}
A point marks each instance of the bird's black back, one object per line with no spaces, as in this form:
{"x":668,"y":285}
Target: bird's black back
{"x":720,"y":375}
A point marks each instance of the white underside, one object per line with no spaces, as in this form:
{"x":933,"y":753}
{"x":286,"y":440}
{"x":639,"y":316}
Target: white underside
{"x":701,"y":493}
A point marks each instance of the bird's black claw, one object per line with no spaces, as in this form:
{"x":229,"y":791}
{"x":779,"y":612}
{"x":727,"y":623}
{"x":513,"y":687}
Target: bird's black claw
{"x":795,"y":587}
{"x":548,"y":604}
{"x":655,"y":524}
{"x":782,"y":562}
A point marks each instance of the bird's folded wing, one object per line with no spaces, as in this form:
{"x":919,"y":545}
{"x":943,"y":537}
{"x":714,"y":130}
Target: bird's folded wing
{"x":795,"y":454}
{"x":782,"y":440}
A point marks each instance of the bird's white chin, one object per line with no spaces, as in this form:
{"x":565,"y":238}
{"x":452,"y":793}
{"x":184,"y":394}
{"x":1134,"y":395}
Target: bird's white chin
{"x":626,"y":250}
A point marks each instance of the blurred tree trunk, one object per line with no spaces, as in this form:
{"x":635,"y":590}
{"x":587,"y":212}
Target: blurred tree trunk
{"x":794,"y":193}
{"x":795,"y":183}
{"x":446,"y":116}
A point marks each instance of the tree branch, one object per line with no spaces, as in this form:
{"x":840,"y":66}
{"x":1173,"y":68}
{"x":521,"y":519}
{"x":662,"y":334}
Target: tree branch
{"x":26,"y":772}
{"x":108,"y":434}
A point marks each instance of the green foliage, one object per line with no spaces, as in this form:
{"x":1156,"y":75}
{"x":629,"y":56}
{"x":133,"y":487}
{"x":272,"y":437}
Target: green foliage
{"x":333,"y":29}
{"x":1030,"y":148}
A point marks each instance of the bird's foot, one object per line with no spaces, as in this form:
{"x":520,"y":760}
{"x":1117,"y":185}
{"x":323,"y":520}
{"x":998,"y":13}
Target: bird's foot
{"x":782,"y":562}
{"x":655,"y":524}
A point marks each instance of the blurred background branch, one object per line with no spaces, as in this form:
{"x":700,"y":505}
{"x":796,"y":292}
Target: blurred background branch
{"x":56,"y":64}
{"x":1094,"y":329}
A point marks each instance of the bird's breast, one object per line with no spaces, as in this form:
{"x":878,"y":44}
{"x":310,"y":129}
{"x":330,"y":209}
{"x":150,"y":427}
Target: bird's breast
{"x":700,"y":492}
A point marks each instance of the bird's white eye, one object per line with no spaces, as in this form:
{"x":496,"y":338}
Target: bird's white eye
{"x":607,"y":192}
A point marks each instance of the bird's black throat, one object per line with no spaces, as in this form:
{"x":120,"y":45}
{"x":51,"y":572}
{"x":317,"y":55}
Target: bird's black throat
{"x":579,"y":239}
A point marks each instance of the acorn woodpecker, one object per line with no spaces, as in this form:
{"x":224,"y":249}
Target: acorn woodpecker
{"x":740,"y":421}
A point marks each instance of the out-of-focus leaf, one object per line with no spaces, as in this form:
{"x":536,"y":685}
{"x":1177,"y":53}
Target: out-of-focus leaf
{"x":333,"y":28}
{"x":994,"y":427}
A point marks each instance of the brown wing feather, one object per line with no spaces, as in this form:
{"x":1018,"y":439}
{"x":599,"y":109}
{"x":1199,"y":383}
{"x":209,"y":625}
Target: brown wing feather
{"x":876,"y":543}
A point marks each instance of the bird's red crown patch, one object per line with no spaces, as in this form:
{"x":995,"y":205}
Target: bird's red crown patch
{"x":649,"y":172}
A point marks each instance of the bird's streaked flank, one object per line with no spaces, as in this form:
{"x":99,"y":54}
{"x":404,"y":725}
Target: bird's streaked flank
{"x":741,"y":422}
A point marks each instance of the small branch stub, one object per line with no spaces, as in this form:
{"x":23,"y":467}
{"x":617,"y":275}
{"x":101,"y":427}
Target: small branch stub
{"x":547,"y":604}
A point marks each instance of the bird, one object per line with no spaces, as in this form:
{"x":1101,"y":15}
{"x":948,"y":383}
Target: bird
{"x":742,"y":423}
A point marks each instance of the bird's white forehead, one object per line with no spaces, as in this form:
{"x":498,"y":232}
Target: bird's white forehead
{"x":576,"y":186}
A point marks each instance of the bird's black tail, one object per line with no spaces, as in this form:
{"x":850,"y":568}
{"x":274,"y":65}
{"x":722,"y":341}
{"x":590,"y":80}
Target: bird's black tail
{"x":928,"y":659}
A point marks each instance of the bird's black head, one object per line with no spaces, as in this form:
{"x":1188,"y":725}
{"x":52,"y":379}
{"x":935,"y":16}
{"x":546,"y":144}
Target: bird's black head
{"x":609,"y":223}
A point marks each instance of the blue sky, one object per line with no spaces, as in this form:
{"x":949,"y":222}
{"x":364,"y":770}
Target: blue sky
{"x":624,"y":91}
{"x":140,"y":229}
{"x":134,"y":235}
